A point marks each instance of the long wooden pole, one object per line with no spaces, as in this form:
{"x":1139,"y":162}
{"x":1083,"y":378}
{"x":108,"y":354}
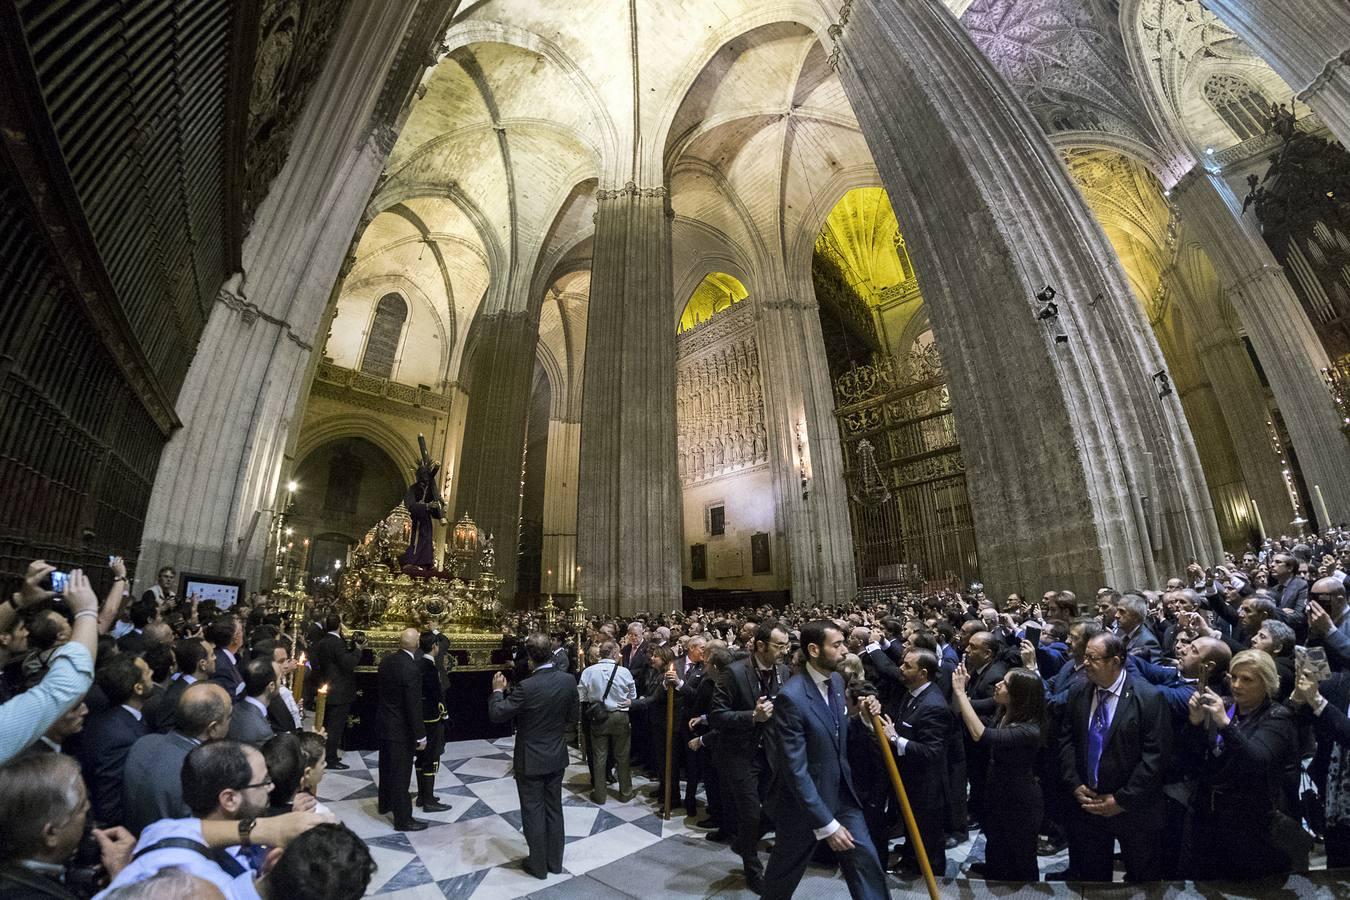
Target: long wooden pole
{"x":670,"y":745}
{"x":911,"y":827}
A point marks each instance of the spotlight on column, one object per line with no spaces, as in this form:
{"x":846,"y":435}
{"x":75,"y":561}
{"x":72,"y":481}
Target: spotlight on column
{"x":1163,"y":383}
{"x":1049,"y":308}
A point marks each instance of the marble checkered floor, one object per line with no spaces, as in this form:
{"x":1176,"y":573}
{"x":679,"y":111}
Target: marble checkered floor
{"x":474,"y":849}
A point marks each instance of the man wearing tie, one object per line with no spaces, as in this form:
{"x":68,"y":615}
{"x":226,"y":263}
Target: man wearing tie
{"x":1114,"y":737}
{"x":813,"y":798}
{"x":923,"y":725}
{"x":544,"y":707}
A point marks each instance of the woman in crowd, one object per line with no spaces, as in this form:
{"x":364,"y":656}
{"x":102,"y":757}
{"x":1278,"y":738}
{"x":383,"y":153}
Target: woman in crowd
{"x":1014,"y":740}
{"x":651,"y":704}
{"x":1242,"y":751}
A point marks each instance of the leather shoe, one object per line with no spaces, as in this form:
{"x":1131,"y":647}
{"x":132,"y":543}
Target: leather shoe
{"x":1047,"y":847}
{"x":410,"y":825}
{"x":706,"y":823}
{"x":624,"y":798}
{"x":433,"y":806}
{"x":719,"y":837}
{"x":337,"y":766}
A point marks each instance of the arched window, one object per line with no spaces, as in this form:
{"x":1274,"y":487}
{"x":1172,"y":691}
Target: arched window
{"x":382,"y":344}
{"x":1242,"y":106}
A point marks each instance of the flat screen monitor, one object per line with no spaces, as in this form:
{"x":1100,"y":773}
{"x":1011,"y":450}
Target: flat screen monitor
{"x":226,"y":592}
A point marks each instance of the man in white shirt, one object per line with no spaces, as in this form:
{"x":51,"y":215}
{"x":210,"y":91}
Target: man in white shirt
{"x":614,"y":734}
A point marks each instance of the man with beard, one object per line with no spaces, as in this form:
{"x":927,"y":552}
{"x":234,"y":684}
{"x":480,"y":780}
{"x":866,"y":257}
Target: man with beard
{"x":813,"y":797}
{"x":222,"y":781}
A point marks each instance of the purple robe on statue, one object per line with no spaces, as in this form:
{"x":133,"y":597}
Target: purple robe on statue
{"x":421,"y":551}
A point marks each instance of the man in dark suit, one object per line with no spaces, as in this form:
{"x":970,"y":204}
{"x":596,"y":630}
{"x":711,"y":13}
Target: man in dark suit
{"x":226,"y":634}
{"x":637,"y":653}
{"x":433,"y":719}
{"x":1114,"y":738}
{"x":814,"y":798}
{"x":401,"y":729}
{"x":151,"y":789}
{"x":986,"y":671}
{"x":109,"y":734}
{"x":1290,"y":593}
{"x":249,"y":724}
{"x":335,"y":666}
{"x":923,"y":726}
{"x":544,"y":707}
{"x":688,"y":686}
{"x":1131,"y":613}
{"x":742,"y":707}
{"x":141,"y":613}
{"x":196,"y":662}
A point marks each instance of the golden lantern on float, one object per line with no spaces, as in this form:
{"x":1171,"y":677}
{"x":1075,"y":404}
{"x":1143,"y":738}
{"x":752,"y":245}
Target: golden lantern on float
{"x":464,"y":538}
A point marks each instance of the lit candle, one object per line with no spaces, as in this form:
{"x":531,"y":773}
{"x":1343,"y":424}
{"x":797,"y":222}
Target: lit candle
{"x":1322,"y":507}
{"x":1260,"y":526}
{"x":298,"y":681}
{"x":322,"y":706}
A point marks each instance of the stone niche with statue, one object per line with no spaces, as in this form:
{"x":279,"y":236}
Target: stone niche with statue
{"x":460,"y":598}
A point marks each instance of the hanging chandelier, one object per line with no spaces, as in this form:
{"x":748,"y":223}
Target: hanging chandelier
{"x":870,"y":487}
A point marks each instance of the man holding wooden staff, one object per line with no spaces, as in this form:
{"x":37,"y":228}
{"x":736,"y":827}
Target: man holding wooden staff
{"x":812,"y":798}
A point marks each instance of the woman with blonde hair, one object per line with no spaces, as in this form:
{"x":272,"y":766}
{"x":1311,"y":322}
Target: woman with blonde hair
{"x":1243,"y":750}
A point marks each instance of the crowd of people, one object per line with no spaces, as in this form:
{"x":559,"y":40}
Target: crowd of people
{"x":144,"y":753}
{"x":151,"y":746}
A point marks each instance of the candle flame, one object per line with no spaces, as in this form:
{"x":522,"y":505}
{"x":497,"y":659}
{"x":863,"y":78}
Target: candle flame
{"x":324,"y":689}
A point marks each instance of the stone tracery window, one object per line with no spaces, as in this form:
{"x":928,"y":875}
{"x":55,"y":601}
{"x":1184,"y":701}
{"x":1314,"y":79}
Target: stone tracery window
{"x":385,"y":330}
{"x":1241,"y":105}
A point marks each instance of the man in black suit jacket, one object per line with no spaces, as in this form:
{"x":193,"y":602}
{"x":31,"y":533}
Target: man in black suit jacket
{"x":544,"y":707}
{"x":986,"y":671}
{"x":1114,"y":739}
{"x":335,"y":666}
{"x":742,"y":707}
{"x":1290,"y":593}
{"x":196,"y":662}
{"x":400,"y":728}
{"x":226,"y":634}
{"x":923,"y":725}
{"x":109,"y":734}
{"x":249,"y":723}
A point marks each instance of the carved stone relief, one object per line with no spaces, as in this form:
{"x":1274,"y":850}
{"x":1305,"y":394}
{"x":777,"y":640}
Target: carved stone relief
{"x":719,"y":398}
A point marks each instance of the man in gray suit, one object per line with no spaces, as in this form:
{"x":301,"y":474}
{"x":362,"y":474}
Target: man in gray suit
{"x":544,"y":708}
{"x":249,"y":723}
{"x":151,"y":788}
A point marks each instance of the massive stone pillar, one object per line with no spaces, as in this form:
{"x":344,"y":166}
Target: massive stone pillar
{"x":215,"y":490}
{"x":1290,"y":352}
{"x":500,"y":377}
{"x":628,"y":520}
{"x":804,"y":442}
{"x":560,"y":508}
{"x":1242,"y":400}
{"x":1079,"y":473}
{"x":1307,"y":43}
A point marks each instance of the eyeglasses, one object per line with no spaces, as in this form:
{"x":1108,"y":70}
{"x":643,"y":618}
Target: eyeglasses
{"x":1096,"y":659}
{"x":266,"y":782}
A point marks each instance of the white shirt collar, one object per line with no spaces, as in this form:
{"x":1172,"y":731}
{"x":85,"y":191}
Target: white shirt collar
{"x":1118,"y":686}
{"x":258,"y":703}
{"x":134,"y":711}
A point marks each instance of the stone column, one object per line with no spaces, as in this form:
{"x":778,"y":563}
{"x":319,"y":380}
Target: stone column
{"x":1290,"y":352}
{"x":1242,"y":400}
{"x":501,"y":373}
{"x":800,"y":408}
{"x":1079,"y":474}
{"x":1307,"y":43}
{"x":628,"y":519}
{"x":560,"y":508}
{"x":217,"y":483}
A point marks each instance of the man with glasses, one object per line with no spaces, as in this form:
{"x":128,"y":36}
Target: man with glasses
{"x":222,"y":781}
{"x":1290,"y":593}
{"x":742,"y":707}
{"x":1114,"y":738}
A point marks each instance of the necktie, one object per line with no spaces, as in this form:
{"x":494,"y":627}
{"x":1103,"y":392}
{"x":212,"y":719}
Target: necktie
{"x":834,"y":710}
{"x":1096,"y":736}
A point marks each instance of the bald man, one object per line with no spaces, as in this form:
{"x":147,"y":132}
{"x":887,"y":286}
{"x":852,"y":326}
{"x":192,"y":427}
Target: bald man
{"x":1329,"y":620}
{"x":401,"y":729}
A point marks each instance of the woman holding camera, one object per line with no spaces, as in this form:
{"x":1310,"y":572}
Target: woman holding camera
{"x":1014,"y":741}
{"x":1242,"y":751}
